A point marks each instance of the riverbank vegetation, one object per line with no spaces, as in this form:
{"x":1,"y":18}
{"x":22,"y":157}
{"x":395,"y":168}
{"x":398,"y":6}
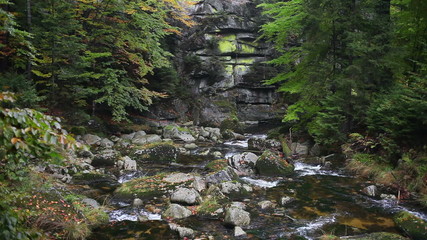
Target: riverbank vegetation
{"x":357,"y":74}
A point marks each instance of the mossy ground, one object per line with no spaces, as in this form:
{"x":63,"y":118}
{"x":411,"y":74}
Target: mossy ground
{"x":217,"y":165}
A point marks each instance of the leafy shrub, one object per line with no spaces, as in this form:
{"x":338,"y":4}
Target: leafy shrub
{"x":25,"y":91}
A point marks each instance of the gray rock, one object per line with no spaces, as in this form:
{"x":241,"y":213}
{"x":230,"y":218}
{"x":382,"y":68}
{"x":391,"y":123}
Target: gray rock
{"x":161,"y":153}
{"x":300,"y":148}
{"x":221,"y":176}
{"x":238,"y":232}
{"x":182,"y":231}
{"x":91,"y":139}
{"x":146,"y":139}
{"x":244,"y":163}
{"x":388,"y":196}
{"x":174,"y":132}
{"x":90,"y":202}
{"x":199,"y":184}
{"x":139,"y":134}
{"x":178,"y":177}
{"x":190,"y":146}
{"x":266,"y":204}
{"x":128,"y":137}
{"x":262,"y":144}
{"x":285,"y":200}
{"x":371,"y":190}
{"x":231,"y":187}
{"x":237,"y":217}
{"x":271,"y":164}
{"x":106,"y":143}
{"x":177,"y":211}
{"x":127,"y":164}
{"x":217,"y":155}
{"x":240,"y":205}
{"x":105,"y":158}
{"x":186,"y":195}
{"x":315,"y":151}
{"x":137,"y":202}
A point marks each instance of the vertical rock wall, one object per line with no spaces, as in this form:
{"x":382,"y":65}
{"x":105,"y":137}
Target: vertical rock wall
{"x":223,"y":64}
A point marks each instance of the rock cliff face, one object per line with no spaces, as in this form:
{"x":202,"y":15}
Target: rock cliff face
{"x":224,"y":64}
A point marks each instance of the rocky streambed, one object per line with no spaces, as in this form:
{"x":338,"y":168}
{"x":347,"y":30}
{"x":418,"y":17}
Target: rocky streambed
{"x":189,"y":182}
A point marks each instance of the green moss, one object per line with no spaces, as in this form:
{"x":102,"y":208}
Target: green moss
{"x":378,"y":236}
{"x":226,"y":46}
{"x":146,"y":187}
{"x":208,"y":206}
{"x":217,"y":165}
{"x":248,"y":61}
{"x":247,"y":49}
{"x":413,"y":226}
{"x":270,"y":164}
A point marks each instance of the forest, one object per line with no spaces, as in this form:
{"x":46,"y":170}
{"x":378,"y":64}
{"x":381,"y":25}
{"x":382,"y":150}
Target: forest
{"x":349,"y":75}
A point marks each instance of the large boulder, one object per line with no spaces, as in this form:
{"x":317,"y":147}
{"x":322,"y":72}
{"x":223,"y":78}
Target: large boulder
{"x":177,"y":211}
{"x":300,"y":149}
{"x":262,"y":144}
{"x":271,"y":164}
{"x":244,"y":163}
{"x":91,"y":139}
{"x":105,"y":158}
{"x":186,"y":196}
{"x":413,"y":226}
{"x":146,"y":139}
{"x":236,"y":216}
{"x":178,"y":133}
{"x":221,"y":176}
{"x":158,"y":153}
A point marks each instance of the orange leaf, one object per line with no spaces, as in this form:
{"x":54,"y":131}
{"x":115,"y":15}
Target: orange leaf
{"x":15,"y":140}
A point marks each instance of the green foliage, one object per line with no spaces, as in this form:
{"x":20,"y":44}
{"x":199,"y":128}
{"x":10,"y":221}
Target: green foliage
{"x":28,"y":135}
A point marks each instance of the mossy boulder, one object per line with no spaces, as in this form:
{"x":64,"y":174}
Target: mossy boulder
{"x":413,"y":226}
{"x":148,"y":187}
{"x":272,"y":164}
{"x":105,"y":182}
{"x":162,"y":152}
{"x":378,"y":236}
{"x":232,"y":124}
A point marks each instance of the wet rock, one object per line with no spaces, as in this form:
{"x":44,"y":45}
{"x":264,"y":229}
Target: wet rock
{"x":106,"y":143}
{"x":371,"y":190}
{"x":175,"y":132}
{"x":412,"y":225}
{"x":237,"y":217}
{"x":127,"y":137}
{"x":163,"y":152}
{"x":244,"y":163}
{"x":262,"y":144}
{"x":238,"y":232}
{"x":286,"y":200}
{"x":388,"y":196}
{"x":178,"y":177}
{"x":182,"y":231}
{"x":146,"y":139}
{"x":91,"y":139}
{"x":199,"y":184}
{"x":266,"y":204}
{"x":271,"y":164}
{"x":177,"y":211}
{"x":186,"y":196}
{"x":105,"y":158}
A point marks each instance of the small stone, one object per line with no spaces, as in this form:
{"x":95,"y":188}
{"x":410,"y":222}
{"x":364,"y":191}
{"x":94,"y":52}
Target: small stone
{"x":371,"y":190}
{"x":137,"y":202}
{"x":388,"y":196}
{"x":199,"y":184}
{"x":285,"y":200}
{"x":266,"y":204}
{"x":190,"y":146}
{"x":238,"y":232}
{"x":106,"y":143}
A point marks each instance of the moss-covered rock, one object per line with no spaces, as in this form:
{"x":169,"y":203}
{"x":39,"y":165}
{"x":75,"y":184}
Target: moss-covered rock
{"x":231,"y":123}
{"x":378,"y":236}
{"x":413,"y":226}
{"x":161,"y":152}
{"x":271,"y":164}
{"x":147,"y":187}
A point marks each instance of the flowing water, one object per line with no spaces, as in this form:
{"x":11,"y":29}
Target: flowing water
{"x":320,"y":201}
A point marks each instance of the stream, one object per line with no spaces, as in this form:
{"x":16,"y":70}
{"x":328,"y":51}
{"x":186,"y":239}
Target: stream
{"x":320,"y":201}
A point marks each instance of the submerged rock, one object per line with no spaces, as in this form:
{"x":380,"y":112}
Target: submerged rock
{"x":271,"y":164}
{"x":177,"y":211}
